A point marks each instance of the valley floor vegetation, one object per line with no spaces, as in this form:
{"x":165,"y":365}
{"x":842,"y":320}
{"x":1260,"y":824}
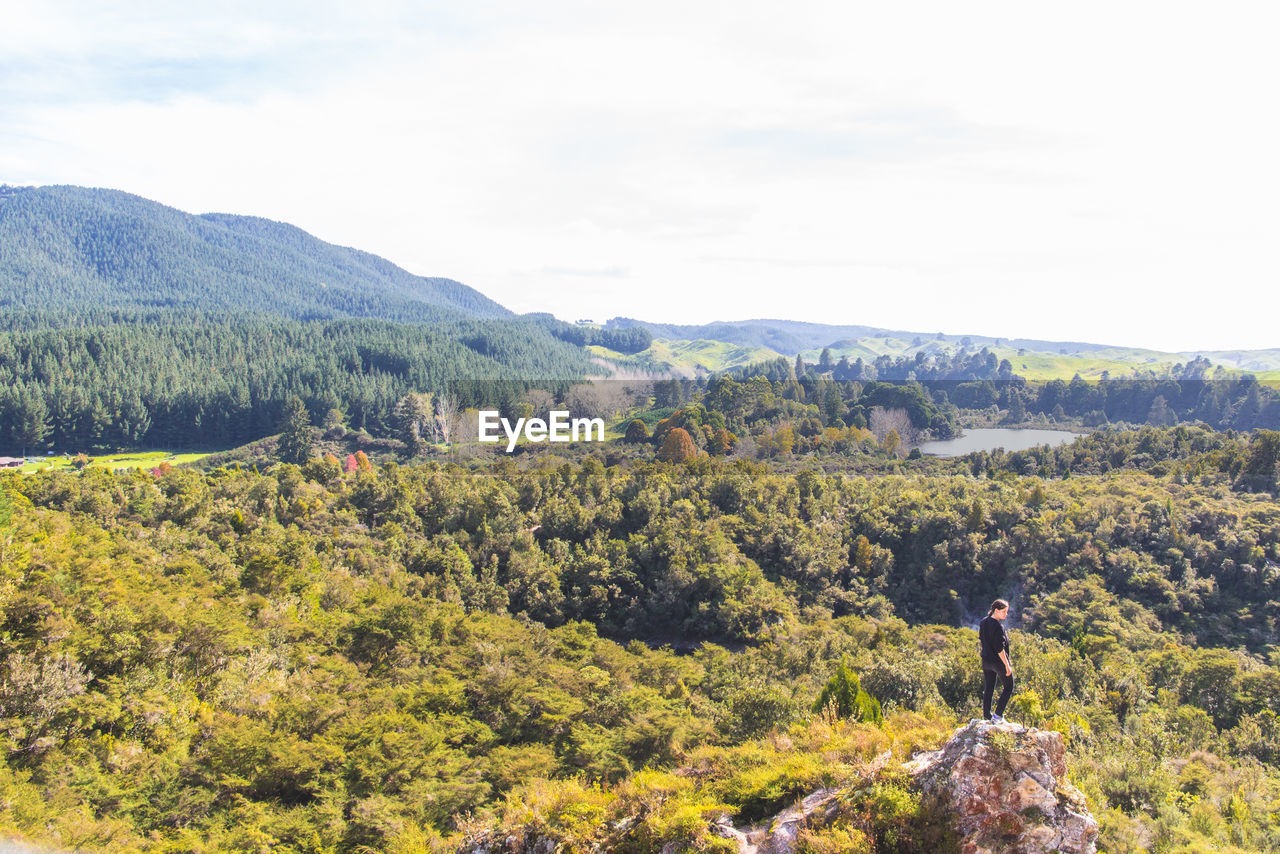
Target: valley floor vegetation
{"x":405,"y":657}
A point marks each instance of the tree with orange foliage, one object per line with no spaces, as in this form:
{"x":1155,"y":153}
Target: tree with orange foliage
{"x":677,"y":446}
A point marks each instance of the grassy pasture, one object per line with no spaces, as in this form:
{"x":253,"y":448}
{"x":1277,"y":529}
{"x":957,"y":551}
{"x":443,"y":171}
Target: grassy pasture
{"x":128,"y":460}
{"x":667,"y":354}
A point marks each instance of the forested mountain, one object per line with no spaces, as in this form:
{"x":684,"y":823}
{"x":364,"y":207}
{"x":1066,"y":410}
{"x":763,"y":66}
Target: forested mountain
{"x":65,"y":249}
{"x":125,"y":323}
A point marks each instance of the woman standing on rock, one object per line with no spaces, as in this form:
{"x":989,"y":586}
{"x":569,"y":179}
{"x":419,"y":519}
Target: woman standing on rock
{"x":994,"y":642}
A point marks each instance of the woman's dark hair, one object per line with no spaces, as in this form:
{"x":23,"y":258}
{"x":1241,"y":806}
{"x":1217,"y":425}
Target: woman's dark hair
{"x":998,"y":605}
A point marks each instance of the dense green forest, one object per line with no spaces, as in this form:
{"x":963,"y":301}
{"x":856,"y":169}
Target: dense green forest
{"x":977,"y":381}
{"x":937,"y":389}
{"x":108,"y":380}
{"x":794,"y":412}
{"x":398,"y":657}
{"x":173,"y":379}
{"x":631,"y":340}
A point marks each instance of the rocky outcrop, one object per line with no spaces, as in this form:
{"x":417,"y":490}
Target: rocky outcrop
{"x":1003,"y":788}
{"x":1007,"y":787}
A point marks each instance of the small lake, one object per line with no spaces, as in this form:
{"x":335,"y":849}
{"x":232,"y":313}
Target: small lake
{"x":990,"y":438}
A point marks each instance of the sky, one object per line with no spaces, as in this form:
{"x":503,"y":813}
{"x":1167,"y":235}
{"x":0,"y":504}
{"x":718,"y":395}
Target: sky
{"x":1102,"y":172}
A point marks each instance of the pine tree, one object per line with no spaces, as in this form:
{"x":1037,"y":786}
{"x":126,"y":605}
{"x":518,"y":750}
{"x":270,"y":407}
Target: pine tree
{"x":833,"y":406}
{"x":295,"y":432}
{"x":411,"y":419}
{"x":32,"y":421}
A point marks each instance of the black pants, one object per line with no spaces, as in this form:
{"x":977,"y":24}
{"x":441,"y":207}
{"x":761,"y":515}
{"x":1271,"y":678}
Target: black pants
{"x":990,"y":673}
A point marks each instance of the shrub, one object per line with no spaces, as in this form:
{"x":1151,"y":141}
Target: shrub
{"x":843,"y":697}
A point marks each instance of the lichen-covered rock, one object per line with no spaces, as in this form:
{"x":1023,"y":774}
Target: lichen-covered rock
{"x":1007,"y":786}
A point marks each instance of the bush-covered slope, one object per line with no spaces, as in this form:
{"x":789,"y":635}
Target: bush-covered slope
{"x":312,"y":661}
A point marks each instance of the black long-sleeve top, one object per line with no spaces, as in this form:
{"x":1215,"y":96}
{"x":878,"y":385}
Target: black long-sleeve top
{"x":994,"y":639}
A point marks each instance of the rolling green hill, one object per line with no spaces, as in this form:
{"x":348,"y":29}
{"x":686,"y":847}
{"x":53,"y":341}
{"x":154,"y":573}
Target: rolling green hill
{"x":1033,"y":359}
{"x":790,"y":337}
{"x":668,"y":355}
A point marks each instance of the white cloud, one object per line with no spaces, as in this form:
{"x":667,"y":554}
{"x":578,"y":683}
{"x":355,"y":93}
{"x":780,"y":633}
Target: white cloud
{"x":1092,"y":172}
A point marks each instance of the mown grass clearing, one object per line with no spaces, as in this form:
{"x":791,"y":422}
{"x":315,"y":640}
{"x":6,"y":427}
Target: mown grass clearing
{"x":129,"y":460}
